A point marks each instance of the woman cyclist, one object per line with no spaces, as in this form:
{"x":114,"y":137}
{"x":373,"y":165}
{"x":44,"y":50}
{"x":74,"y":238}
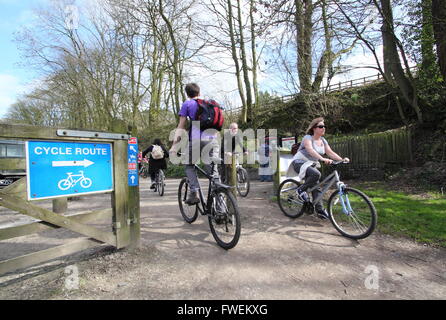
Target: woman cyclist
{"x":312,"y":149}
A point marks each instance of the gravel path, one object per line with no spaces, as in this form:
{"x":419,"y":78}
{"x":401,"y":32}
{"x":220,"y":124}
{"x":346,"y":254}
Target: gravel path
{"x":276,"y":258}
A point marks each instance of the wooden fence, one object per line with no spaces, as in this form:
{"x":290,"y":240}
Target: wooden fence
{"x":376,"y":150}
{"x":123,"y":213}
{"x":369,"y":154}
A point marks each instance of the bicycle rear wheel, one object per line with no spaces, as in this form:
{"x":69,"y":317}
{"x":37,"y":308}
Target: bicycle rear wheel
{"x":352,"y":213}
{"x":289,"y":202}
{"x":189,"y":213}
{"x":160,"y":182}
{"x":224,"y":219}
{"x":242,"y":182}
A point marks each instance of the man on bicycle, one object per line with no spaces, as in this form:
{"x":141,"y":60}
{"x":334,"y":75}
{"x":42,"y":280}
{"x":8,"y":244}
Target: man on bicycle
{"x":230,"y":142}
{"x":198,"y":140}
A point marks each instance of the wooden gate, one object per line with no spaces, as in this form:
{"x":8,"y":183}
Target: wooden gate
{"x":124,"y":211}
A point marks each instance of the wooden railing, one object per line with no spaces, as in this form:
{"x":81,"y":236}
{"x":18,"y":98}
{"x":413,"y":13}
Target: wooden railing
{"x":330,"y":88}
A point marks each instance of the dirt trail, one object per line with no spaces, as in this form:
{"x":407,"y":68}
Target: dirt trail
{"x":276,"y":258}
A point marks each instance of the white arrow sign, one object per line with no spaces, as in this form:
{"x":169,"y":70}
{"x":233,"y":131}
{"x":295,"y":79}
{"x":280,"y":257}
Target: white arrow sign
{"x":83,"y":163}
{"x":133,"y":149}
{"x":133,"y":179}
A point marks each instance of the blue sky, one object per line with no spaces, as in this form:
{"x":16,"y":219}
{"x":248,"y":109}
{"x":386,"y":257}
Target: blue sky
{"x":13,"y":79}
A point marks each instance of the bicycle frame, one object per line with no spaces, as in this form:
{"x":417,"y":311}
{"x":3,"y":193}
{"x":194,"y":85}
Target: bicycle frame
{"x":329,"y":181}
{"x":202,"y":202}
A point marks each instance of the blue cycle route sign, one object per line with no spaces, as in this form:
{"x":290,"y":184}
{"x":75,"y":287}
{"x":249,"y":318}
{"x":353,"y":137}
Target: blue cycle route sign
{"x":61,"y":169}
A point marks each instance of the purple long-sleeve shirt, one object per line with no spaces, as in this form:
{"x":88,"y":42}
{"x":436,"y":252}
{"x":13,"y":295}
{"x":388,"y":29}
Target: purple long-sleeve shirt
{"x":189,"y":109}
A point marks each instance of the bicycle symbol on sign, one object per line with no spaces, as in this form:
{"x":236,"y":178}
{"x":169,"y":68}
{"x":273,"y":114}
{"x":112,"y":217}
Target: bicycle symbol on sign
{"x":73,"y":179}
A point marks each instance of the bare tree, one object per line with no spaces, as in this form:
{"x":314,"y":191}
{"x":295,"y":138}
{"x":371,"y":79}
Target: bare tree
{"x":234,"y":30}
{"x":396,"y":73}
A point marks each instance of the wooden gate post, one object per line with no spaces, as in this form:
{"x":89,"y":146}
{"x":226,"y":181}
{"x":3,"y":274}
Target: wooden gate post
{"x":135,"y":225}
{"x":120,"y":203}
{"x":277,"y":174}
{"x":60,"y":205}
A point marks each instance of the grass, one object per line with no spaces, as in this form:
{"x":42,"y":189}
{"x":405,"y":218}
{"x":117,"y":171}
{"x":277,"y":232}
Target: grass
{"x":421,"y":217}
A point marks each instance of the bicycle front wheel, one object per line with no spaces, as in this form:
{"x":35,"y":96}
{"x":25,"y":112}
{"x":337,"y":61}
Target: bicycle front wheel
{"x":352,"y":213}
{"x":224,"y":219}
{"x":160,"y":182}
{"x":287,"y":197}
{"x":189,"y":213}
{"x":242,"y":182}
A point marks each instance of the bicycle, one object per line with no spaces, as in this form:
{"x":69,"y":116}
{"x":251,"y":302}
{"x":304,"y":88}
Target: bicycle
{"x":242,"y":178}
{"x":220,"y":207}
{"x":144,"y":170}
{"x":243,"y":183}
{"x":357,"y":223}
{"x":159,"y":182}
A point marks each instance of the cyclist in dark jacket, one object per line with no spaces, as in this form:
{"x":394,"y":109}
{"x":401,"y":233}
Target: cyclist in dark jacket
{"x":156,"y":164}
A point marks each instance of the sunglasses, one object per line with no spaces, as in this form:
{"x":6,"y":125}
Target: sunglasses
{"x":321,"y":127}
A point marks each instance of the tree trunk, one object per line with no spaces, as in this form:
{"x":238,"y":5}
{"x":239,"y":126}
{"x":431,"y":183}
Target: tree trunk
{"x":176,"y":59}
{"x":427,"y":39}
{"x":254,"y":54}
{"x":304,"y":28}
{"x":392,"y":63}
{"x":244,"y":116}
{"x":439,"y":24}
{"x":245,"y":66}
{"x":326,"y":61}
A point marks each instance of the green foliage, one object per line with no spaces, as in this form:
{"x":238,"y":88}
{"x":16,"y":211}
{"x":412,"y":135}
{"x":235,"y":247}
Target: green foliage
{"x":161,"y":127}
{"x":175,"y":171}
{"x":368,"y":108}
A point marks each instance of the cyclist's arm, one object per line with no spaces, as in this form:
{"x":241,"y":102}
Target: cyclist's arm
{"x":309,"y":147}
{"x":179,"y":132}
{"x":145,"y":152}
{"x":333,"y":155}
{"x":166,"y":154}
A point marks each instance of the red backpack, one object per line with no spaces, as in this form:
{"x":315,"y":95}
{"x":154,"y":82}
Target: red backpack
{"x":210,"y":114}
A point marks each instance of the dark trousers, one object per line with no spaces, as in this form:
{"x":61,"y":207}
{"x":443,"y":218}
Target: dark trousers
{"x":213,"y":148}
{"x":312,"y":177}
{"x":153,"y":177}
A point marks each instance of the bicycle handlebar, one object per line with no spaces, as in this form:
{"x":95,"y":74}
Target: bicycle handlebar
{"x":335,"y":163}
